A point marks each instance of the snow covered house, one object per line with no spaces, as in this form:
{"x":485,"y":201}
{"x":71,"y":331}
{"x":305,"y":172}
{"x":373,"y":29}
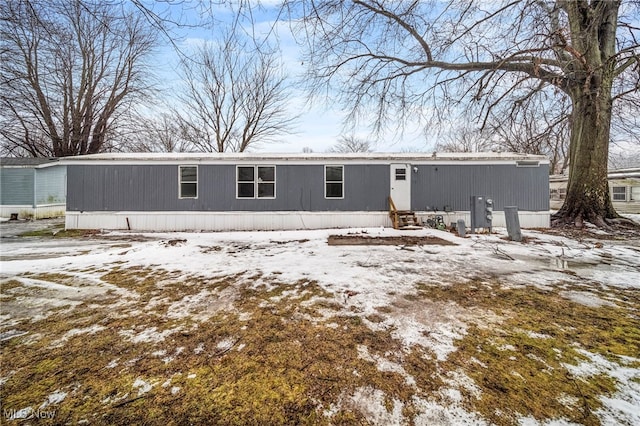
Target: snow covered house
{"x":32,"y":188}
{"x":255,"y":191}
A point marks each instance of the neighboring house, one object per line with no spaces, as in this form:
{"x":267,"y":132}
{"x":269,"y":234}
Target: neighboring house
{"x":32,"y":188}
{"x":251,"y":191}
{"x":624,"y":187}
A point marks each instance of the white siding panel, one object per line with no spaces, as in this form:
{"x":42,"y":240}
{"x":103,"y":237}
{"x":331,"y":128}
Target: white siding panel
{"x":253,"y":221}
{"x":28,"y":212}
{"x":227,"y":221}
{"x":48,"y":211}
{"x":24,"y":211}
{"x":51,"y":183}
{"x":627,"y":206}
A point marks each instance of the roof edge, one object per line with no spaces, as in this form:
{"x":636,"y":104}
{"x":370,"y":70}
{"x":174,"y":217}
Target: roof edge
{"x":206,"y":157}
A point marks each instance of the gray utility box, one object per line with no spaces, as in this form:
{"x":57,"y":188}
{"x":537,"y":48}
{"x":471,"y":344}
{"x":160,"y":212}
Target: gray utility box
{"x":481,"y":212}
{"x":513,"y":223}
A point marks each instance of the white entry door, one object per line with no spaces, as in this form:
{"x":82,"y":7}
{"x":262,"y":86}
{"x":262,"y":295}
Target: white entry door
{"x":401,"y":186}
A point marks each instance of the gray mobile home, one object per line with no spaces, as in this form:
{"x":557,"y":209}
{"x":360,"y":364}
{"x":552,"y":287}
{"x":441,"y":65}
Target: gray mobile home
{"x":32,"y":188}
{"x":251,"y":191}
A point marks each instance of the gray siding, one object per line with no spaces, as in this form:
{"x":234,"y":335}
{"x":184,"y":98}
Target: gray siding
{"x":301,"y":188}
{"x":453,"y":185}
{"x":51,"y":185}
{"x":155,"y":188}
{"x":16,"y":186}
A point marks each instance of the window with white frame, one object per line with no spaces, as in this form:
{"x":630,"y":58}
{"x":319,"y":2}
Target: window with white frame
{"x":635,"y":193}
{"x":256,"y":181}
{"x":188,"y":181}
{"x":619,"y":193}
{"x":334,"y":181}
{"x":266,"y":182}
{"x":562,"y":193}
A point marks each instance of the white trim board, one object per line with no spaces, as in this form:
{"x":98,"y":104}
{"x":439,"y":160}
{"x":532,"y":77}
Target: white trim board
{"x":298,"y":158}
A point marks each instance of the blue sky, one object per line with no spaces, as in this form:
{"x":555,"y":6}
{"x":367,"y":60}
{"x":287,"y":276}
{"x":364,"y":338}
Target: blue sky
{"x":320,"y":124}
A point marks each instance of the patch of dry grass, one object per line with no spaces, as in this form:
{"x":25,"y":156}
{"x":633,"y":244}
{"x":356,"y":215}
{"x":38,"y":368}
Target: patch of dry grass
{"x":269,"y":361}
{"x":519,"y":366}
{"x":56,"y":232}
{"x":286,"y":353}
{"x":9,"y":284}
{"x":57,"y":278}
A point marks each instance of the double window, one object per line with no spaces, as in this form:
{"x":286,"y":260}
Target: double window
{"x":188,"y":181}
{"x":619,"y":193}
{"x":256,"y":181}
{"x":334,"y":181}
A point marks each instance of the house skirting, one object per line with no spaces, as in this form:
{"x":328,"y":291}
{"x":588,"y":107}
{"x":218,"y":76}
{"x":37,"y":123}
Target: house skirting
{"x":42,"y":211}
{"x":265,"y":221}
{"x":627,"y":206}
{"x":630,"y":207}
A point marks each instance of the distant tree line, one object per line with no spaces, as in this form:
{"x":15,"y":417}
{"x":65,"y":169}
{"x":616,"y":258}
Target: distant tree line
{"x":75,"y":76}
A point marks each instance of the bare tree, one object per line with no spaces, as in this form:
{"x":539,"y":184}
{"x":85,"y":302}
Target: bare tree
{"x":625,"y":159}
{"x":465,"y":138}
{"x":394,"y":57}
{"x":351,"y":143}
{"x":68,"y":71}
{"x":529,"y":133}
{"x":536,"y":126}
{"x":156,"y":134}
{"x":235,"y":97}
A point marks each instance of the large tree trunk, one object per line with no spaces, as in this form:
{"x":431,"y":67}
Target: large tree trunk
{"x":588,"y":189}
{"x":592,"y":72}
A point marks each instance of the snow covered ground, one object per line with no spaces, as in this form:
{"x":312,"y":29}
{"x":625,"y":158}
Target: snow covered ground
{"x":362,"y":278}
